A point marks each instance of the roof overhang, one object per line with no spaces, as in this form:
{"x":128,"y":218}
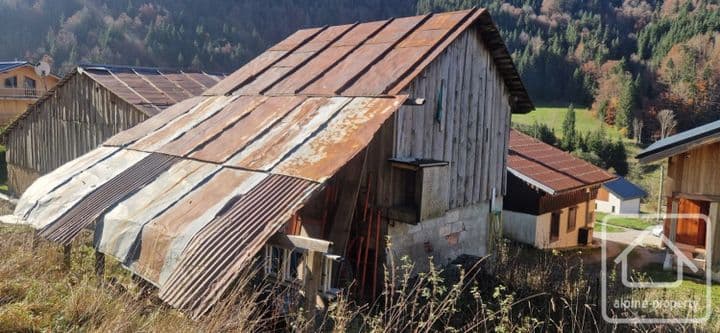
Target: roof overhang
{"x":655,"y":154}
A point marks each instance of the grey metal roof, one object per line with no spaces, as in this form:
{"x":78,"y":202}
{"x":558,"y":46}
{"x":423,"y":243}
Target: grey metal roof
{"x":681,"y":142}
{"x":624,"y":189}
{"x":8,"y":65}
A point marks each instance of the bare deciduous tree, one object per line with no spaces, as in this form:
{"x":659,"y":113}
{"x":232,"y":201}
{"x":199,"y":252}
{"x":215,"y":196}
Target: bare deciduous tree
{"x":638,"y":125}
{"x":667,"y":121}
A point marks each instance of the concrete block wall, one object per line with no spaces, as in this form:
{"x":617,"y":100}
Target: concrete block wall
{"x":460,"y":231}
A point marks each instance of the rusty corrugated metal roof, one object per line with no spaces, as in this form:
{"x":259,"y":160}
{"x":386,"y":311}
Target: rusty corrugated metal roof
{"x":368,"y":59}
{"x":549,"y":168}
{"x":209,"y":180}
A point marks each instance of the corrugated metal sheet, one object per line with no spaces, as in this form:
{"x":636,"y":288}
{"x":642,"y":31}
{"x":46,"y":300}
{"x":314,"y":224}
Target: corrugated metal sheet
{"x":86,"y":211}
{"x":120,"y":227}
{"x":215,"y":257}
{"x":165,"y":237}
{"x":552,"y":169}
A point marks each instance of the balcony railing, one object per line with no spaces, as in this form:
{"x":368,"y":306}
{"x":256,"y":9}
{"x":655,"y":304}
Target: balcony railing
{"x":19,"y":92}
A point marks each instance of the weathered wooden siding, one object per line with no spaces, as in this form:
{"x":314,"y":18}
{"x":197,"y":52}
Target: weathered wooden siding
{"x":78,"y":117}
{"x":469,"y":127}
{"x":695,"y":172}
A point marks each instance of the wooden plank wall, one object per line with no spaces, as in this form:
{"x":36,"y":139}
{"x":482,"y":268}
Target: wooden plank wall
{"x":77,"y":118}
{"x":695,"y":172}
{"x":471,"y":131}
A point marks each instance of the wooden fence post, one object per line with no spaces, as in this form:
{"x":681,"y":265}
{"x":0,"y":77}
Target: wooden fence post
{"x":67,"y":256}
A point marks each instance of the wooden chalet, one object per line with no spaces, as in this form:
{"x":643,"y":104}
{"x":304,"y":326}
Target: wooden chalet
{"x":550,"y":202}
{"x":692,"y":186}
{"x":87,"y":107}
{"x":22,"y":84}
{"x":321,"y":148}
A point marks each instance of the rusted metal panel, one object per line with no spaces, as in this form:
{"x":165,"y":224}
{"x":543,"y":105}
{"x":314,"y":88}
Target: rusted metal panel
{"x":446,"y":21}
{"x":213,"y":126}
{"x":86,"y":211}
{"x":327,"y":58}
{"x":174,"y":91}
{"x":338,"y":76}
{"x":250,"y":70}
{"x":107,"y":80}
{"x":549,"y":168}
{"x":49,"y":182}
{"x":324,"y":38}
{"x":375,"y":81}
{"x":296,"y":39}
{"x":49,"y":207}
{"x":154,"y":123}
{"x":182,"y":80}
{"x":119,"y":229}
{"x":164,"y":238}
{"x":407,"y":54}
{"x":284,"y":137}
{"x":405,"y":81}
{"x":144,"y":89}
{"x":236,"y":137}
{"x":218,"y":253}
{"x":203,"y":79}
{"x":343,"y":137}
{"x":182,"y":124}
{"x":315,"y":67}
{"x":397,"y":29}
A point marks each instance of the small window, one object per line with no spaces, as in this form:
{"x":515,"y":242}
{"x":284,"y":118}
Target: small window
{"x":613,"y":209}
{"x":572,"y":219}
{"x":30,"y":87}
{"x":555,"y":227}
{"x":11,"y":82}
{"x":30,"y":83}
{"x":284,"y":264}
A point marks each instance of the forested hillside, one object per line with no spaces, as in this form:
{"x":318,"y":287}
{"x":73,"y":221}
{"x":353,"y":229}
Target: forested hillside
{"x":626,"y":59}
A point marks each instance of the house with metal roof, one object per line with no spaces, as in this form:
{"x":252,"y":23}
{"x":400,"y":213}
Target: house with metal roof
{"x":23,"y":83}
{"x":550,"y":201}
{"x":88,"y":106}
{"x":692,"y":187}
{"x":619,"y":196}
{"x":320,"y":149}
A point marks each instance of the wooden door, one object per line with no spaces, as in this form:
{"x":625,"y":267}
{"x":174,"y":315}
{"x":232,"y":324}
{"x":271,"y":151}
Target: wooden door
{"x":692,"y":231}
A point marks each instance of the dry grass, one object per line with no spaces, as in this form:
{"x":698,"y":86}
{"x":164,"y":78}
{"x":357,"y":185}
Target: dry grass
{"x":509,"y":292}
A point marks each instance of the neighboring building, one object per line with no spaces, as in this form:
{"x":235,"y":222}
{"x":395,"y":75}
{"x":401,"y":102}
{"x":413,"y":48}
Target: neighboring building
{"x":318,"y":148}
{"x":22,"y":84}
{"x":692,"y":186}
{"x":619,"y":196}
{"x":551,"y":195}
{"x":87,"y":107}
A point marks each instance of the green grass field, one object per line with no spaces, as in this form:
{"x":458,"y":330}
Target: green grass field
{"x":585,"y":121}
{"x":625,"y":222}
{"x":600,"y":227}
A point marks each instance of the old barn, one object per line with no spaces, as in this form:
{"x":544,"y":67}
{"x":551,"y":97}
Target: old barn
{"x":87,"y":107}
{"x":318,"y":149}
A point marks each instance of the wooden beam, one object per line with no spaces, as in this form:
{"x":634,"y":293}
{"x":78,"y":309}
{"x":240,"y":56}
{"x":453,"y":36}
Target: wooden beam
{"x":353,"y":177}
{"x":99,"y":265}
{"x":301,"y":242}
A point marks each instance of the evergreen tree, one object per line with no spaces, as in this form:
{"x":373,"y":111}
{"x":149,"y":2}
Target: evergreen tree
{"x":568,"y":127}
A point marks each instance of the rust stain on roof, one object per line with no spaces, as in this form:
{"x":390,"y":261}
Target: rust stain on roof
{"x":551,"y":167}
{"x":344,"y":136}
